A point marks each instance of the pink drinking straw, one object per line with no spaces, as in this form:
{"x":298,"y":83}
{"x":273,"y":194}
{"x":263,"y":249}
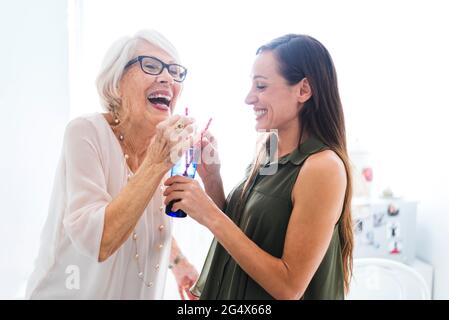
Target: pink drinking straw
{"x":207,"y":127}
{"x":186,"y":112}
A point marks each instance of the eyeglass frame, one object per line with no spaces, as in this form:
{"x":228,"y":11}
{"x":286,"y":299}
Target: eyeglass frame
{"x":164,"y":66}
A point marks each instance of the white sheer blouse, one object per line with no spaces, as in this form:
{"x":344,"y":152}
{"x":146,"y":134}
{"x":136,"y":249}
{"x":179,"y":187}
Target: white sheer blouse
{"x":91,"y":172}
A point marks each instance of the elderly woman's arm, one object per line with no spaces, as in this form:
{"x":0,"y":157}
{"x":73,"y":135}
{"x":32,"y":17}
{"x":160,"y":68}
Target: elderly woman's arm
{"x":184,"y":272}
{"x":122,"y":214}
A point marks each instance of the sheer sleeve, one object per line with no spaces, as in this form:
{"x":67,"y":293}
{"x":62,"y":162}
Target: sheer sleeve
{"x":87,"y":195}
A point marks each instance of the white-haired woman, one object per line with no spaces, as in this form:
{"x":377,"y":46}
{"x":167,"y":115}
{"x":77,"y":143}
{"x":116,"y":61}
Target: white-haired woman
{"x":107,"y":235}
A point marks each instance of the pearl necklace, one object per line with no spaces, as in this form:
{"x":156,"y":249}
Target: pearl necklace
{"x":136,"y":252}
{"x":161,"y":227}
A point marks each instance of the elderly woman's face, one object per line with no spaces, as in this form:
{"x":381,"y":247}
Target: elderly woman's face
{"x":148,"y":97}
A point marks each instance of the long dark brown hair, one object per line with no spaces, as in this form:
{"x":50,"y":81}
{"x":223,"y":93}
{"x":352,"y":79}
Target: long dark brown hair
{"x":322,"y":116}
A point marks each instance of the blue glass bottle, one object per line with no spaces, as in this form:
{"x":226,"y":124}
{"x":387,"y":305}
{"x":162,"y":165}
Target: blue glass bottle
{"x":186,"y":166}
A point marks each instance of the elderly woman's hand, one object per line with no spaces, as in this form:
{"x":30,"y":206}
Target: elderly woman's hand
{"x":173,"y":137}
{"x":190,"y":198}
{"x":186,"y":276}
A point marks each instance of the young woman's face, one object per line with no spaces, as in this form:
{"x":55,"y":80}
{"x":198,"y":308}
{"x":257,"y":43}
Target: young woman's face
{"x":274,"y":101}
{"x":149,"y":98}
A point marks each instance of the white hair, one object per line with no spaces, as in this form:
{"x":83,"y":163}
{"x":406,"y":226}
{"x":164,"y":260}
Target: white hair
{"x":116,"y":58}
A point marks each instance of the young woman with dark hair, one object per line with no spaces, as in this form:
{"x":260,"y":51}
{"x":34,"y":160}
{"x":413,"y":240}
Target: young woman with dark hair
{"x":284,"y":233}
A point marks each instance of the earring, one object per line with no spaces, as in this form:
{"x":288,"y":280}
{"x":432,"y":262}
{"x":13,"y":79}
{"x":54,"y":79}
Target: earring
{"x":115,"y":115}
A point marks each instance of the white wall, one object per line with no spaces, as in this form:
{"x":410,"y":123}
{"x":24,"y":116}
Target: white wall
{"x":34,"y":105}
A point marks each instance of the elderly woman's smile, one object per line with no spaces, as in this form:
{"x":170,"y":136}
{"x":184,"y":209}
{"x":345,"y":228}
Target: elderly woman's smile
{"x":160,"y":99}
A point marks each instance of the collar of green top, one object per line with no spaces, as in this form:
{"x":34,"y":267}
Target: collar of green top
{"x":311,"y":145}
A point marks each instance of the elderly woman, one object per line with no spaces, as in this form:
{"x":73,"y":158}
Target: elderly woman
{"x":107,"y":236}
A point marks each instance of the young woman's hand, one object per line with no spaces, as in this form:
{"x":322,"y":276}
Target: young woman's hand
{"x":190,"y":198}
{"x":209,"y":166}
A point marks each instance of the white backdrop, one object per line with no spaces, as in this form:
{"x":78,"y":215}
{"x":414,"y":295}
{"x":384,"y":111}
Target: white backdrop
{"x":34,"y":103}
{"x":391,"y":59}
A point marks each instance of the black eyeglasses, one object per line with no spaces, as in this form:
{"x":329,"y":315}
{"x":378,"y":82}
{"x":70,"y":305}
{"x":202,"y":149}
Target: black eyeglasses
{"x":154,"y":66}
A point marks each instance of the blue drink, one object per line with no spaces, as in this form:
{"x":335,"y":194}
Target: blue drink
{"x":186,"y":166}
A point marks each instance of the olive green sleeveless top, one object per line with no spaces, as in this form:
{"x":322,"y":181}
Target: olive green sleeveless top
{"x":264,"y":220}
